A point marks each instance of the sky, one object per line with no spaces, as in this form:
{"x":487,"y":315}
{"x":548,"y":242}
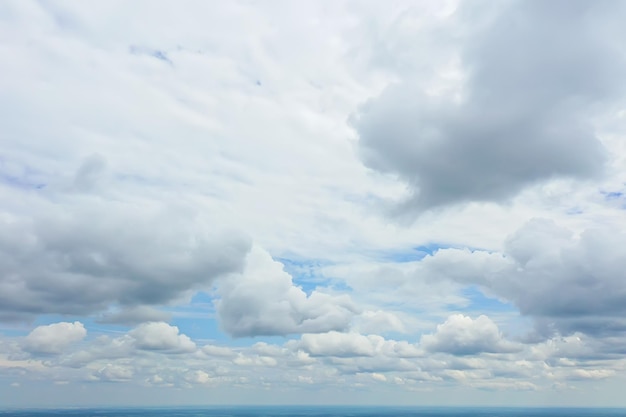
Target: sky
{"x":312,"y":202}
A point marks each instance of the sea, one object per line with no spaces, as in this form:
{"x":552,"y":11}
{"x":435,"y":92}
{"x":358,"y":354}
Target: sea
{"x":318,"y":411}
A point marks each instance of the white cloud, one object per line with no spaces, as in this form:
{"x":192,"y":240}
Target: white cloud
{"x":340,"y":344}
{"x":219,"y":351}
{"x":54,"y":338}
{"x":263,"y":300}
{"x":379,"y":321}
{"x":161,"y":336}
{"x":197,"y":377}
{"x":379,"y":377}
{"x":115,"y":373}
{"x":462,"y":335}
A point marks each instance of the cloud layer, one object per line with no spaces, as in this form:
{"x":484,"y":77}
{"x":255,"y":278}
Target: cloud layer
{"x":201,"y":214}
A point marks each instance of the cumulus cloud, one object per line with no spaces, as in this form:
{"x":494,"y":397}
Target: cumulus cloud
{"x":218,"y":351}
{"x":113,"y":373}
{"x":462,"y":335}
{"x":340,"y":344}
{"x":567,"y":282}
{"x":84,"y":255}
{"x":573,"y":281}
{"x":54,"y":338}
{"x":197,"y":377}
{"x":354,"y":345}
{"x":161,"y":336}
{"x":264,"y":301}
{"x":535,"y":75}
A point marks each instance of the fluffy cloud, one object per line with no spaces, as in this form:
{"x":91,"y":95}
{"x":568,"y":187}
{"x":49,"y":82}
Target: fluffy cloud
{"x":340,"y":344}
{"x":572,"y":281}
{"x":197,"y":377}
{"x":535,"y":75}
{"x":330,"y":359}
{"x":264,"y":301}
{"x":161,"y":336}
{"x":54,"y":338}
{"x":355,"y":345}
{"x":114,"y":373}
{"x":85,"y":254}
{"x":566,"y":282}
{"x":462,"y":335}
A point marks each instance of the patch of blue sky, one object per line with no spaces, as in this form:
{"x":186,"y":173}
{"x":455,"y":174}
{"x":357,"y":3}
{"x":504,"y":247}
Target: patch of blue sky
{"x":573,"y":211}
{"x":198,"y":318}
{"x":200,"y":327}
{"x":21,"y":183}
{"x":613,"y":195}
{"x":154,"y":53}
{"x":414,"y":254}
{"x":306,"y":273}
{"x":94,"y":328}
{"x":480,"y":303}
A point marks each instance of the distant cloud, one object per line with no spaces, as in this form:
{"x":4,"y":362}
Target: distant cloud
{"x":462,"y":335}
{"x":54,"y":338}
{"x":114,"y":373}
{"x":341,"y":344}
{"x":161,"y":336}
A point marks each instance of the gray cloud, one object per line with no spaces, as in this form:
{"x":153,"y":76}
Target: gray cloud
{"x":535,"y":76}
{"x":566,"y":282}
{"x":89,"y":174}
{"x":569,"y":283}
{"x":83,"y":255}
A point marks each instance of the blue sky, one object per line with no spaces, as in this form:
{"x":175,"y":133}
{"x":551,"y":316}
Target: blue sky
{"x":312,"y":202}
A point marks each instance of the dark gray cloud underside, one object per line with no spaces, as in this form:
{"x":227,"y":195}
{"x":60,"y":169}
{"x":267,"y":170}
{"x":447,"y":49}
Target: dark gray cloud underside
{"x":536,"y":75}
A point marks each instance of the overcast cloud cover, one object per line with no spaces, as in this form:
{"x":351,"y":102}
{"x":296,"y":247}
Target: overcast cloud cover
{"x":312,"y":202}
